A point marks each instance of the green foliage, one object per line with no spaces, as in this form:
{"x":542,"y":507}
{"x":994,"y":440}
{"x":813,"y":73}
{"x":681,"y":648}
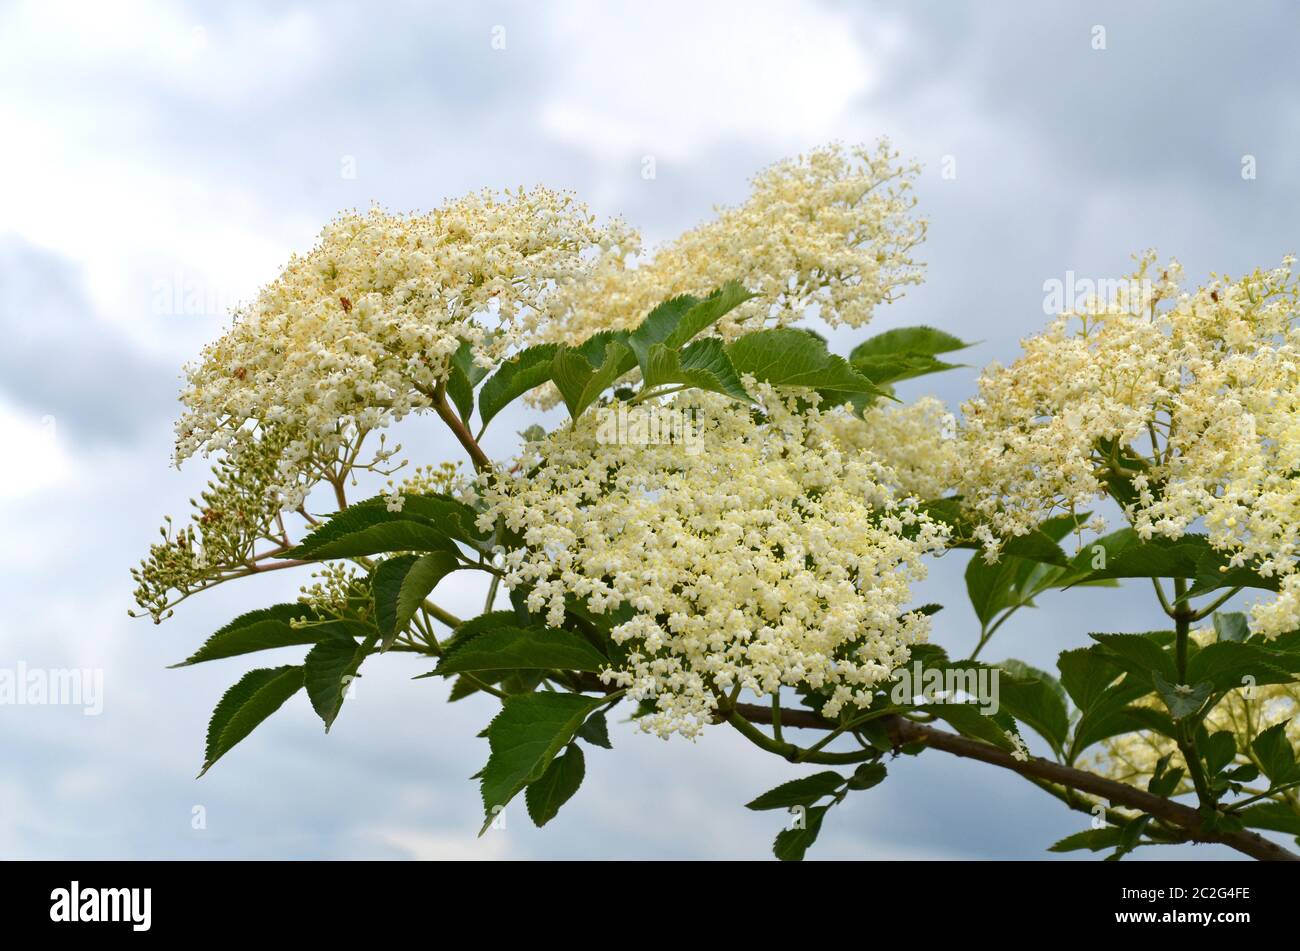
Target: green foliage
{"x":527,"y":648}
{"x":525,"y":737}
{"x":327,"y":671}
{"x":1037,"y":699}
{"x":799,"y":792}
{"x":904,"y":353}
{"x":368,"y":528}
{"x":257,"y":695}
{"x":792,"y":844}
{"x":786,"y":357}
{"x":528,"y":370}
{"x":1275,"y":755}
{"x":545,"y":796}
{"x":401,"y":584}
{"x":263,"y":629}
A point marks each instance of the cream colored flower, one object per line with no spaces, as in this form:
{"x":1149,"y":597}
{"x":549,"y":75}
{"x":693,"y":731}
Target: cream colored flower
{"x":1201,"y":390}
{"x":915,"y":440}
{"x":832,"y":229}
{"x":777,"y":557}
{"x":360,"y":331}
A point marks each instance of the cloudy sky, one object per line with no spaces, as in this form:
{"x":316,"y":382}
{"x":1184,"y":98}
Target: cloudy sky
{"x":161,"y":161}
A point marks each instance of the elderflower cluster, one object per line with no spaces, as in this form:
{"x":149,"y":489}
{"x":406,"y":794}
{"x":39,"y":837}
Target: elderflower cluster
{"x":915,"y":440}
{"x":230,"y":518}
{"x":778,"y":557}
{"x":832,"y":228}
{"x":361,"y":330}
{"x":1245,"y":713}
{"x":1194,"y":396}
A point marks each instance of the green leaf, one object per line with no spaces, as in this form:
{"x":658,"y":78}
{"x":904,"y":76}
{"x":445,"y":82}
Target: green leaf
{"x":1275,"y":754}
{"x":545,"y":796}
{"x":1139,"y":653}
{"x":675,"y":322}
{"x":867,"y":775}
{"x":523,"y":648}
{"x":1227,"y":664}
{"x":524,"y":737}
{"x":463,"y":376}
{"x":1218,"y":750}
{"x":703,"y":365}
{"x":327,"y":671}
{"x":258,"y":630}
{"x":1093,"y":839}
{"x":1085,"y":675}
{"x":1231,"y":626}
{"x":1273,"y":816}
{"x":967,"y":720}
{"x":257,"y":695}
{"x":787,"y":357}
{"x":370,"y":529}
{"x":1036,"y":699}
{"x":468,"y":630}
{"x":528,"y":370}
{"x":400,"y":586}
{"x":925,"y":341}
{"x":580,"y":382}
{"x":896,"y":367}
{"x":1183,"y":700}
{"x":799,"y":792}
{"x":596,"y":730}
{"x":792,"y":844}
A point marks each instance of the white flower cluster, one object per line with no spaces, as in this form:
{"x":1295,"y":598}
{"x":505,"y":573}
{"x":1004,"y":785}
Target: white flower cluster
{"x":361,"y":330}
{"x":1198,"y":394}
{"x":775,"y":558}
{"x":917,"y":441}
{"x":833,"y":228}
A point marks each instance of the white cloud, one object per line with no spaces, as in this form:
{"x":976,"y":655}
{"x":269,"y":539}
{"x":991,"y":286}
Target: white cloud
{"x":673,"y":80}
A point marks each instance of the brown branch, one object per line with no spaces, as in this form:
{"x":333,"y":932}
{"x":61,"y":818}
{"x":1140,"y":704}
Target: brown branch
{"x":903,"y":731}
{"x":457,"y":426}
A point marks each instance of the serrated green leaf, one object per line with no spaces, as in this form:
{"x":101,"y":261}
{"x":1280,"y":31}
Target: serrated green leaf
{"x":926,"y":341}
{"x":523,"y":648}
{"x":370,"y":529}
{"x":1218,"y":750}
{"x":1272,"y":816}
{"x":468,"y":630}
{"x":526,"y":371}
{"x":546,"y":795}
{"x":792,"y":844}
{"x":581,"y":382}
{"x":257,"y":695}
{"x":1275,"y":755}
{"x":867,"y":775}
{"x":967,"y":720}
{"x":1231,"y":626}
{"x":400,"y":586}
{"x":1183,"y":700}
{"x":799,"y":792}
{"x":896,"y":367}
{"x":463,"y":376}
{"x":1139,"y":653}
{"x":596,"y":730}
{"x":524,"y":737}
{"x":1036,"y":699}
{"x":263,"y":629}
{"x":327,"y":672}
{"x":703,"y":365}
{"x":1092,"y":839}
{"x":1228,"y":664}
{"x":784,"y":356}
{"x":1085,"y":675}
